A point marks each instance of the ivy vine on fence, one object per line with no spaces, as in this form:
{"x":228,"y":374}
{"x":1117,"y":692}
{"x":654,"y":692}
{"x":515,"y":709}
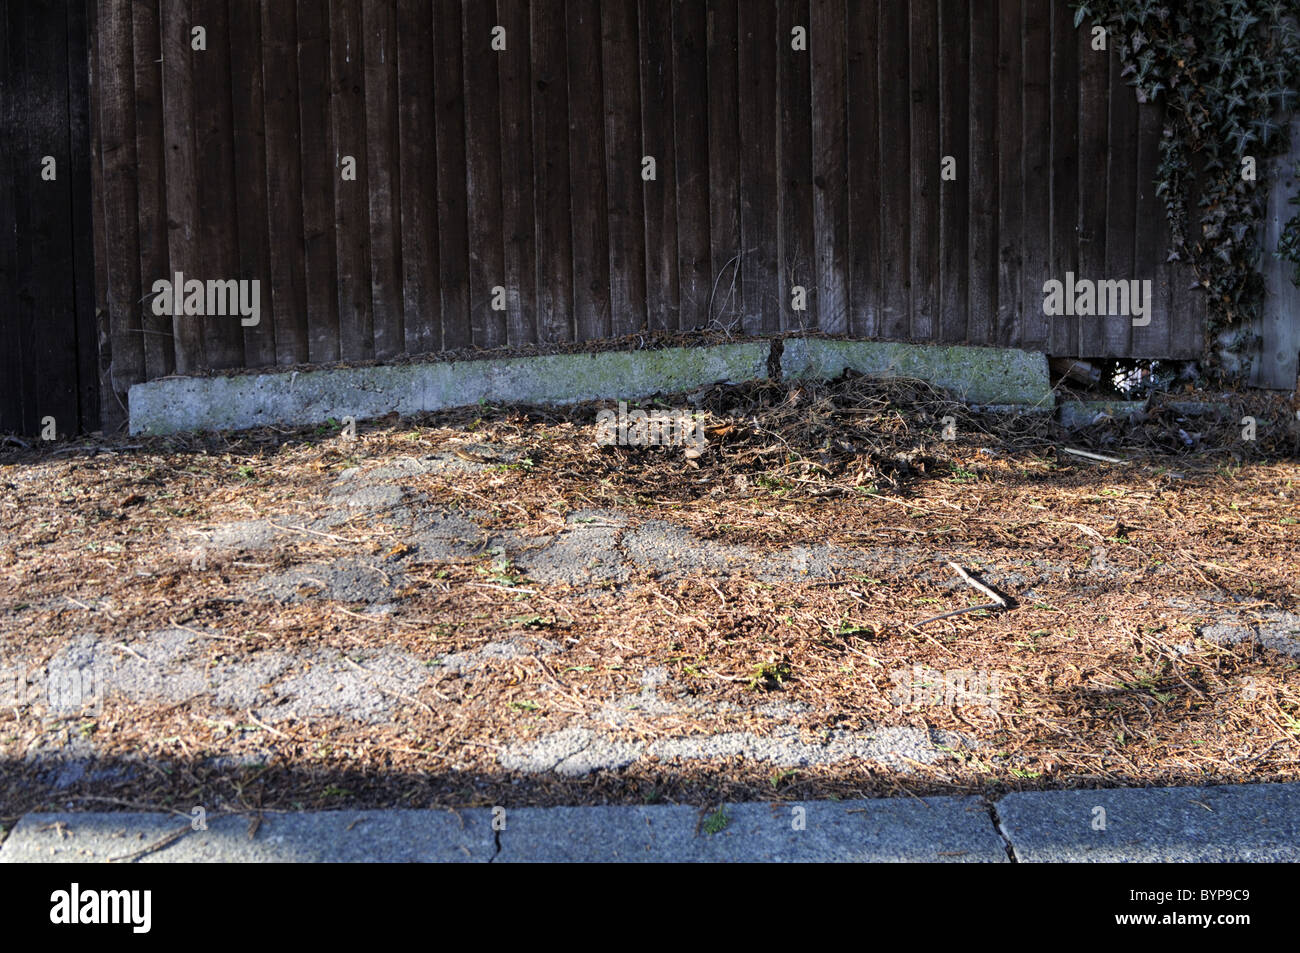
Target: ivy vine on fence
{"x":1227,"y":71}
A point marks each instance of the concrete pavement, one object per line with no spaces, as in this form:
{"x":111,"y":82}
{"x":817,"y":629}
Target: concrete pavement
{"x":1259,"y":822}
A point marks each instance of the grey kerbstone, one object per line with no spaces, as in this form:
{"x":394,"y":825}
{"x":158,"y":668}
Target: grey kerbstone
{"x":301,"y":398}
{"x":1253,"y":822}
{"x":980,"y":375}
{"x":899,"y":829}
{"x":392,"y":836}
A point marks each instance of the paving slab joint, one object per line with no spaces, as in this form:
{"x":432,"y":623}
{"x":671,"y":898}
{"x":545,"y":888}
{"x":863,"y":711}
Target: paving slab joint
{"x":997,"y":826}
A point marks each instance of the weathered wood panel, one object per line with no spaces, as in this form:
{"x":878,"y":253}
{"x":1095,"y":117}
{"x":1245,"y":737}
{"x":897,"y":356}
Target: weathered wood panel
{"x":778,"y":165}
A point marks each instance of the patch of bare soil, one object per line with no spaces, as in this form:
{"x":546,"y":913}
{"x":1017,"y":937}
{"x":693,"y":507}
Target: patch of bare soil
{"x":485,"y":607}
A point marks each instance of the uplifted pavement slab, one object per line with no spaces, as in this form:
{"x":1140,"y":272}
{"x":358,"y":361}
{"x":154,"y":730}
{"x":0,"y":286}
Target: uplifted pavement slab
{"x":880,"y":830}
{"x":390,"y":836}
{"x":1239,"y":823}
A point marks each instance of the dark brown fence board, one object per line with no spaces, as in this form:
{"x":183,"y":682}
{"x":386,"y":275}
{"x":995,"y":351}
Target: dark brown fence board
{"x":591,"y":284}
{"x":1033,"y":329}
{"x":11,"y":391}
{"x":453,"y":225}
{"x":759,"y":172}
{"x":319,"y":173}
{"x":517,"y":208}
{"x":723,"y":32}
{"x":483,"y":173}
{"x":1063,"y":331}
{"x":796,"y":247}
{"x":379,"y":24}
{"x":117,"y":134}
{"x":659,"y":197}
{"x":351,"y":197}
{"x":830,"y":164}
{"x":863,"y":168}
{"x":954,"y":196}
{"x":551,"y":177}
{"x":1011,"y":172}
{"x":1152,"y":242}
{"x":1121,"y":198}
{"x":418,"y":178}
{"x":897,"y":167}
{"x":79,"y":178}
{"x":1090,"y":184}
{"x":253,"y":248}
{"x":151,"y":186}
{"x":214,"y":140}
{"x":690,"y":69}
{"x":983,"y":184}
{"x":625,"y":210}
{"x":289,"y":256}
{"x":926,"y":153}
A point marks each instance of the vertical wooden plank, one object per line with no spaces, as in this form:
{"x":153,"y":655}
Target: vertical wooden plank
{"x":214,"y":140}
{"x":418,"y":180}
{"x":954,"y":196}
{"x":254,"y":252}
{"x":760,"y":264}
{"x":453,"y":225}
{"x":864,"y":164}
{"x":898,"y":166}
{"x":284,"y":291}
{"x":1011,"y":189}
{"x":11,"y":396}
{"x":982,"y":191}
{"x":1121,"y":197}
{"x":45,"y":307}
{"x":655,"y":30}
{"x":1064,"y":331}
{"x":1033,"y":331}
{"x":551,"y":192}
{"x":724,"y":162}
{"x":587,"y":172}
{"x":517,"y":209}
{"x":483,"y":173}
{"x":315,"y":334}
{"x":151,"y":185}
{"x":351,"y":198}
{"x":830,"y":161}
{"x":118,"y":143}
{"x":1094,"y":130}
{"x":379,"y":26}
{"x":112,"y":409}
{"x":1151,"y":245}
{"x":79,"y":180}
{"x":620,"y":52}
{"x":924,"y":78}
{"x":25,"y":169}
{"x":690,"y":72}
{"x":795,"y":245}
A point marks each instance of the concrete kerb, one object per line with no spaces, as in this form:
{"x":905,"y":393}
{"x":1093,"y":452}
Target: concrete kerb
{"x":1241,"y":823}
{"x":980,"y":375}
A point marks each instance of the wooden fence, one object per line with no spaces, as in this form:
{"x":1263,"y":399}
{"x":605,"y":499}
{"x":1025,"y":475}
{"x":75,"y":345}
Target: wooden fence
{"x":503,"y":194}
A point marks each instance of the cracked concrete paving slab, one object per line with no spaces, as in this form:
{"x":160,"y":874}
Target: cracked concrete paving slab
{"x":388,"y":836}
{"x":1237,"y":823}
{"x":949,"y":829}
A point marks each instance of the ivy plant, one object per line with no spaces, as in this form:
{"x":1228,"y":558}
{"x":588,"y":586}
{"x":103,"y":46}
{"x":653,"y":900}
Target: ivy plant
{"x":1228,"y":72}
